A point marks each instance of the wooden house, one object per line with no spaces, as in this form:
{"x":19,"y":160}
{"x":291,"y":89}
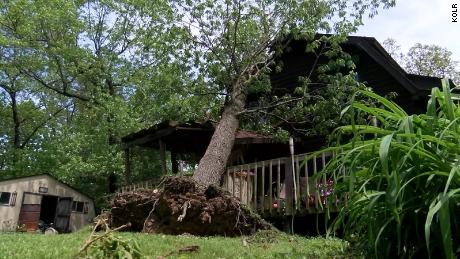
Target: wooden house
{"x":262,"y":172}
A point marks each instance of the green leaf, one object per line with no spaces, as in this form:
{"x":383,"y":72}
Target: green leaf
{"x":384,"y":150}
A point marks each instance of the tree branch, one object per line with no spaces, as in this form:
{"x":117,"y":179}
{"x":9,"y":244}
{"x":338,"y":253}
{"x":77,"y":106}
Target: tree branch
{"x":63,"y":92}
{"x":29,"y":137}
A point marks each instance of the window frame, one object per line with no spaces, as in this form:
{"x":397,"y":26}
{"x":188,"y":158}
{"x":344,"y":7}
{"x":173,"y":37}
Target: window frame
{"x":8,"y":203}
{"x":85,"y":207}
{"x":76,"y":205}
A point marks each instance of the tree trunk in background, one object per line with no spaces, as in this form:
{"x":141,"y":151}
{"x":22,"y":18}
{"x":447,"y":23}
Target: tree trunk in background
{"x":16,"y":121}
{"x":212,"y":165}
{"x":174,"y":163}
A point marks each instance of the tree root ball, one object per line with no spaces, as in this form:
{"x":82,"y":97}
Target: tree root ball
{"x":181,"y":207}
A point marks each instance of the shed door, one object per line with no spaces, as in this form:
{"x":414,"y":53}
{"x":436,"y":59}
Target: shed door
{"x":28,"y":216}
{"x":63,"y":211}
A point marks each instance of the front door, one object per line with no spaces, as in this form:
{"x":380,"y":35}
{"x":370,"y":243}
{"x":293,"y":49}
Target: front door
{"x":63,"y":211}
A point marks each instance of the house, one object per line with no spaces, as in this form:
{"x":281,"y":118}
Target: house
{"x":374,"y":67}
{"x":261,"y":171}
{"x":25,"y":201}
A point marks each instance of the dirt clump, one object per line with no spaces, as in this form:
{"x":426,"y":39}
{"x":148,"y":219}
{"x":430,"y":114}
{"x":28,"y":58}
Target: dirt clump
{"x":132,"y":207}
{"x":179,"y":206}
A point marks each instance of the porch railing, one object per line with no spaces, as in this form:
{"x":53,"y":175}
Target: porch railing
{"x":149,"y":184}
{"x":273,"y":187}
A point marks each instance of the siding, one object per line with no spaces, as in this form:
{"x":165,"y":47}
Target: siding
{"x":9,"y":215}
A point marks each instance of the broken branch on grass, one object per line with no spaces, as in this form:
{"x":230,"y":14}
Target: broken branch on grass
{"x":185,"y":249}
{"x":93,"y":238}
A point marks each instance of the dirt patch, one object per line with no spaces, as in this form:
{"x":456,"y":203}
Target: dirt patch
{"x":180,"y":207}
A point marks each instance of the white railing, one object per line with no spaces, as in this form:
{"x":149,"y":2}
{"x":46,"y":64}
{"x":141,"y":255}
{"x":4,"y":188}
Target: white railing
{"x":273,"y":187}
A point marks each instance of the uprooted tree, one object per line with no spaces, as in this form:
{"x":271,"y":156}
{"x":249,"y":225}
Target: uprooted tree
{"x":180,"y":207}
{"x":231,"y":46}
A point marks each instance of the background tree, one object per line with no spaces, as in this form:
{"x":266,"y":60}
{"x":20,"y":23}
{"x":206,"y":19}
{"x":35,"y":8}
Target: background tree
{"x":79,"y":75}
{"x":426,"y":60}
{"x":84,"y":73}
{"x":231,"y":45}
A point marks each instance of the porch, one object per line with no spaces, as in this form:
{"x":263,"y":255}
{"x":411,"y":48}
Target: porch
{"x":261,"y":171}
{"x":278,"y":187}
{"x":285,"y":186}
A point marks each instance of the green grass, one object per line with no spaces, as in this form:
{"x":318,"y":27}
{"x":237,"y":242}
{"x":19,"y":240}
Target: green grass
{"x":262,"y":245}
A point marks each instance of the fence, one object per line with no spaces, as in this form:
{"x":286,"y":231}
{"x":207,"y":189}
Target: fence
{"x":149,"y":184}
{"x":273,"y":187}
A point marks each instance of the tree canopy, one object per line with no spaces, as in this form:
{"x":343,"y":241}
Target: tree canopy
{"x":77,"y":75}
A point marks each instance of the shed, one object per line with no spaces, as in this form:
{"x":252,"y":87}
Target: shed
{"x":25,"y":201}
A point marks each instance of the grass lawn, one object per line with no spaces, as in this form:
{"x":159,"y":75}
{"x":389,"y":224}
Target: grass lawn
{"x":262,"y":245}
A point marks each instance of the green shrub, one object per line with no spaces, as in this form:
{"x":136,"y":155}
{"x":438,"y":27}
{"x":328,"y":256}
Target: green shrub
{"x":113,"y":246}
{"x":402,"y":178}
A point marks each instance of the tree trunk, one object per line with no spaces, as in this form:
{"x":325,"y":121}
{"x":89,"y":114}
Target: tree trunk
{"x":212,"y":165}
{"x":174,"y":163}
{"x":16,"y":121}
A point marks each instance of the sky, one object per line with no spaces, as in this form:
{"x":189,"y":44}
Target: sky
{"x":417,"y":21}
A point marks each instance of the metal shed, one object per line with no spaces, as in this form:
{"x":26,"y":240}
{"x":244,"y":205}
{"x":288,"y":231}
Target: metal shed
{"x":27,"y":200}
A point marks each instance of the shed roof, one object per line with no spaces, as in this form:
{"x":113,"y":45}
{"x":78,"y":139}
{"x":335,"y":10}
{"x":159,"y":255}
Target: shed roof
{"x":50,"y":176}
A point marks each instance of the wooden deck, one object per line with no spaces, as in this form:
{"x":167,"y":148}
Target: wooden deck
{"x":273,"y":188}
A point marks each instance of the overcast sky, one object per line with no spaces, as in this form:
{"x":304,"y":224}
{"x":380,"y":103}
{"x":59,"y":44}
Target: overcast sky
{"x":417,"y":21}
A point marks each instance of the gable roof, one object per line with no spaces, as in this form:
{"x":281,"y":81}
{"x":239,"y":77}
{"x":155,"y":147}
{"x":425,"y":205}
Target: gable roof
{"x":413,"y":83}
{"x":374,"y":66}
{"x":50,"y":176}
{"x":375,"y":50}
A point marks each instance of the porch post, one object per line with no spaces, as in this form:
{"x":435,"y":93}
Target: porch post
{"x":289,"y":186}
{"x":162,"y":145}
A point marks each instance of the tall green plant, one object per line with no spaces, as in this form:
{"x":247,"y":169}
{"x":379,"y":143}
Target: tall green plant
{"x":401,"y":178}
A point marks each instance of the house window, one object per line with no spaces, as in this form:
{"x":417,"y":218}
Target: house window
{"x":5,"y":198}
{"x":78,"y":206}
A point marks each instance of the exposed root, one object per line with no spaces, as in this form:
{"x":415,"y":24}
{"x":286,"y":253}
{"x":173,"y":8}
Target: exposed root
{"x":149,"y":216}
{"x":186,"y":206}
{"x":182,"y":207}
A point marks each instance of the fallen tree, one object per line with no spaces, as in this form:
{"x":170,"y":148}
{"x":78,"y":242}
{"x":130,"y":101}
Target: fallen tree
{"x":179,"y":206}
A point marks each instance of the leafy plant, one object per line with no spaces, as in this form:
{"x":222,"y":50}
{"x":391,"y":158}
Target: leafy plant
{"x":401,"y":178}
{"x":113,"y":246}
{"x":107,"y":244}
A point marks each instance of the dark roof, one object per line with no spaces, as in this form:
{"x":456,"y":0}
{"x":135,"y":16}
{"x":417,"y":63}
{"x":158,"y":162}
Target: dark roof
{"x":374,"y":49}
{"x":414,"y":83}
{"x":374,"y":66}
{"x":186,"y":137}
{"x":49,"y":175}
{"x":427,"y":82}
{"x":166,"y":128}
